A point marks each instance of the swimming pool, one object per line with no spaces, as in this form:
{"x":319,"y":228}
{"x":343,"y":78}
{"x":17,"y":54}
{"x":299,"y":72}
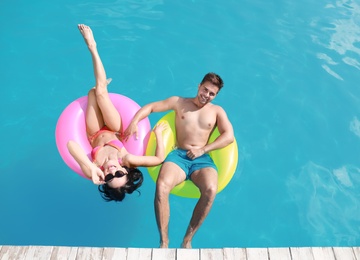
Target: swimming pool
{"x":290,"y":69}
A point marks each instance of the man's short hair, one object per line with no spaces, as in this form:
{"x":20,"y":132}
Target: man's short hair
{"x":214,"y":79}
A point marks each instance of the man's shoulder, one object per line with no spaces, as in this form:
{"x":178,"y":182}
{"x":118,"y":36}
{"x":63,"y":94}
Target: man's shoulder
{"x":174,"y":98}
{"x":217,"y":109}
{"x":214,"y":106}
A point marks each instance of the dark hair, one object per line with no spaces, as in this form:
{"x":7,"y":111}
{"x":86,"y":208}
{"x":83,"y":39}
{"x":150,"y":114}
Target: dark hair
{"x":135,"y":179}
{"x":214,"y":79}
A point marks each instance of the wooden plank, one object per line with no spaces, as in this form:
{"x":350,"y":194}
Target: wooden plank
{"x":164,"y":254}
{"x":211,"y":254}
{"x":345,"y":253}
{"x":357,"y":252}
{"x":279,"y":253}
{"x":300,"y":253}
{"x":234,"y":253}
{"x":113,"y":253}
{"x":139,"y":253}
{"x":13,"y":252}
{"x":4,"y":252}
{"x":39,"y":252}
{"x":257,"y":254}
{"x":187,"y":254}
{"x":89,"y":253}
{"x":74,"y":253}
{"x":323,"y":253}
{"x":64,"y":253}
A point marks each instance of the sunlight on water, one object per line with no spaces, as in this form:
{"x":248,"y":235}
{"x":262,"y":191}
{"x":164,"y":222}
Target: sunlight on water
{"x":355,"y":126}
{"x":344,"y":35}
{"x":321,"y":192}
{"x":291,"y":73}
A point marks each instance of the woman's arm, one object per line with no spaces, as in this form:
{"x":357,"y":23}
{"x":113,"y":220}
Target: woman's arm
{"x":131,"y":160}
{"x":90,"y":170}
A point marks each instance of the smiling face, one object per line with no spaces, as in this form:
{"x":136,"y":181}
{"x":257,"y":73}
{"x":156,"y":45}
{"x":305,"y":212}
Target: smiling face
{"x":207,"y":92}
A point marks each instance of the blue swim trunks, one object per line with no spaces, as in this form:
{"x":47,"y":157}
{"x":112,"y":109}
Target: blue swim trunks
{"x":179,"y":157}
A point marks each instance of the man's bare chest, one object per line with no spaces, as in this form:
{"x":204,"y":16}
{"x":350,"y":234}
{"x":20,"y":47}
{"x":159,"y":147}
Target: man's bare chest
{"x":197,"y":119}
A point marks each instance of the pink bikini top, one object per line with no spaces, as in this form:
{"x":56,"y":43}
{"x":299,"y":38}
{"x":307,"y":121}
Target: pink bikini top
{"x":113,"y":143}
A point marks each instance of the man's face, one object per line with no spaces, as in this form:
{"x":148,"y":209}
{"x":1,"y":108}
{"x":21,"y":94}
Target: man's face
{"x":207,"y":92}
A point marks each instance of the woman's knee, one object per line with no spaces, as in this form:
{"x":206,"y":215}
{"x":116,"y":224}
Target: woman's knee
{"x":101,"y":90}
{"x":91,"y":93}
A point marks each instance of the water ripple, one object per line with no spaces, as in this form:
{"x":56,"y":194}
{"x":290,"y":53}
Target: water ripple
{"x":119,"y":11}
{"x":342,"y":21}
{"x":328,"y":202}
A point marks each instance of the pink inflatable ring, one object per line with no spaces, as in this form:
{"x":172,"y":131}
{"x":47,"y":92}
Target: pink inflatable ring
{"x":71,"y":126}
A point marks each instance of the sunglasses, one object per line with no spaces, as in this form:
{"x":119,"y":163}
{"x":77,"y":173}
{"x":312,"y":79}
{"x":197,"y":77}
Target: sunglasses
{"x":118,"y":174}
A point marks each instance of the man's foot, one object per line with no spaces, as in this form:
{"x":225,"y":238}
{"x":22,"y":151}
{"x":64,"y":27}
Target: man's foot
{"x":164,"y":245}
{"x":87,"y":34}
{"x":186,"y":244}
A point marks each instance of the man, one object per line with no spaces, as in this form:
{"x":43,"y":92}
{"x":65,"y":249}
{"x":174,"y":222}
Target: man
{"x":195,"y":119}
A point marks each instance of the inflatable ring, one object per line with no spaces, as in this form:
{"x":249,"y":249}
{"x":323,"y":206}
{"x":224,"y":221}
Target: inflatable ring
{"x":225,"y":159}
{"x":71,"y":126}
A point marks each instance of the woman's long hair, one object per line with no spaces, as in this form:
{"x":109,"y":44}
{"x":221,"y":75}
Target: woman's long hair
{"x":135,"y":180}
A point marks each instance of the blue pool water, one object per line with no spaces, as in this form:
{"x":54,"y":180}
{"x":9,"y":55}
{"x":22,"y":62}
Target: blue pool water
{"x":291,"y":72}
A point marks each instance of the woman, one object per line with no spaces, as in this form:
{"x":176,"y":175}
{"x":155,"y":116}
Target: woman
{"x":112,"y":166}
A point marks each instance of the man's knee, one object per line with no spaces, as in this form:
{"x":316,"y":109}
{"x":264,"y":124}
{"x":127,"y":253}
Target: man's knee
{"x":163,"y":187}
{"x":207,"y":182}
{"x":209,"y":191}
{"x":164,"y":183}
{"x":170,"y":175}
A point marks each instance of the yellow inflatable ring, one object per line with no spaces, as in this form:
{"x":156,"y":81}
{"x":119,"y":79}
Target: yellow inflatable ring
{"x":225,"y":159}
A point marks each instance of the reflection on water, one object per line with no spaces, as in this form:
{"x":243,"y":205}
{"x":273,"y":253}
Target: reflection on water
{"x":355,"y":126}
{"x":343,"y":35}
{"x":328,"y":201}
{"x":123,"y":14}
{"x":291,"y":74}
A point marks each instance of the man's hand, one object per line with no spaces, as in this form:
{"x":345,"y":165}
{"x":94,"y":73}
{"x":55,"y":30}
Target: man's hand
{"x":130,"y":130}
{"x":195,"y":153}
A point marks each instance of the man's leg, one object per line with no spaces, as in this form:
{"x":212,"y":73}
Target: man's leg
{"x":206,"y":180}
{"x":170,"y":175}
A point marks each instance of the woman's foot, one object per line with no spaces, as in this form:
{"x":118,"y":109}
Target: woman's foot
{"x":87,"y":34}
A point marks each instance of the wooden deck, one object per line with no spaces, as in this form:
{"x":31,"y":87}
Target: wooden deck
{"x":287,"y":253}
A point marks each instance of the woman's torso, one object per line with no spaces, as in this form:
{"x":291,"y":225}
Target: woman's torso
{"x":107,"y":142}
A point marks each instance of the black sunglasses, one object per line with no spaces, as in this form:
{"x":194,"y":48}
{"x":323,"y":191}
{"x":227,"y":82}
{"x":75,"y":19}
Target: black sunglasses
{"x":118,"y":174}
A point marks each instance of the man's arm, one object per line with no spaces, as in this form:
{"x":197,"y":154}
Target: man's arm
{"x":145,"y":111}
{"x":226,"y":131}
{"x":225,"y":138}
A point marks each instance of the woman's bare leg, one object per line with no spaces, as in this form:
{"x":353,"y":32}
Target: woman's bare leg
{"x":104,"y":112}
{"x":93,"y":118}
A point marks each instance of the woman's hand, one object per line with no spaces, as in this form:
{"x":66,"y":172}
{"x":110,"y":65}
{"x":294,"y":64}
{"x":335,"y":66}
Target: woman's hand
{"x":130,"y":130}
{"x":159,"y":128}
{"x":97,"y":175}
